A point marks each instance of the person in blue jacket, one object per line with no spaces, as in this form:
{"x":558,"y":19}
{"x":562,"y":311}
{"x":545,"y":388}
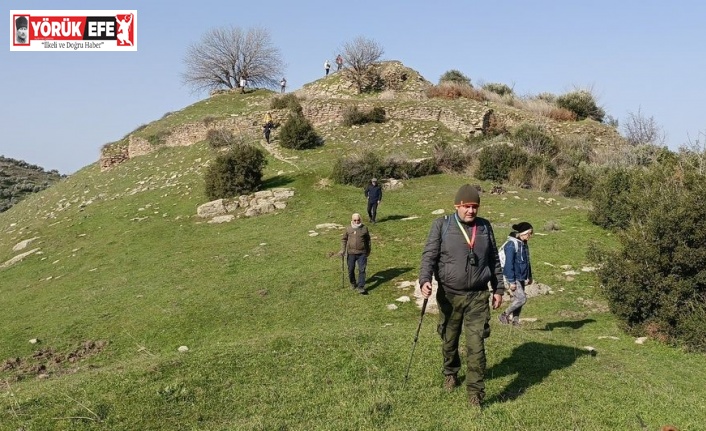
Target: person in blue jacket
{"x":517,"y":272}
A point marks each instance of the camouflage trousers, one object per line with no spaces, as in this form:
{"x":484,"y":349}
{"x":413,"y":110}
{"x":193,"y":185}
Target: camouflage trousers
{"x":470,"y":312}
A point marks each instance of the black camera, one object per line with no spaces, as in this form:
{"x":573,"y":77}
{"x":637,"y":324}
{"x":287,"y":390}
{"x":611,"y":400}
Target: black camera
{"x":472,"y":258}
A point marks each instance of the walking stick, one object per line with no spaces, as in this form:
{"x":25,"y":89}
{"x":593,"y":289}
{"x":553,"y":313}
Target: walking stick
{"x":343,"y":273}
{"x":416,"y":337}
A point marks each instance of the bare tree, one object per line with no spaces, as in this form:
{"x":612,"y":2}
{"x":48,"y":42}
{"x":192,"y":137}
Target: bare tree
{"x":640,"y":130}
{"x":359,"y":56}
{"x":224,"y":55}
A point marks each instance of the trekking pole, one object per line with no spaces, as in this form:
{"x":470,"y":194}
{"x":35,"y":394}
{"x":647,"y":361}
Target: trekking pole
{"x":416,"y":337}
{"x":343,"y":273}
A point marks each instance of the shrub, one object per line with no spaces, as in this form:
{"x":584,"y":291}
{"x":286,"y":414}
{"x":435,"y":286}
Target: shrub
{"x":455,"y":77}
{"x":235,"y":173}
{"x":450,"y":90}
{"x":578,"y":183}
{"x":357,"y":170}
{"x":561,"y":114}
{"x":535,"y":140}
{"x":613,"y":199}
{"x":582,"y":103}
{"x":159,"y":138}
{"x":496,"y":162}
{"x":656,"y":282}
{"x":498,"y":88}
{"x":353,"y":116}
{"x":449,"y":158}
{"x":298,"y":133}
{"x":219,"y":138}
{"x":288,"y":101}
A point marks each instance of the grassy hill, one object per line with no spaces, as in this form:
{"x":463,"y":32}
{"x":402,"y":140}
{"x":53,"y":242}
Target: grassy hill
{"x":123,"y":274}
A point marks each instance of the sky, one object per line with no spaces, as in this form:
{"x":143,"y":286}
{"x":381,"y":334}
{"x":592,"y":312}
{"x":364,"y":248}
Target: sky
{"x":60,"y":108}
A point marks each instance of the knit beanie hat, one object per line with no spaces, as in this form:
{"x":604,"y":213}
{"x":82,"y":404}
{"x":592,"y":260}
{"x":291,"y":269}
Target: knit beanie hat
{"x":522,"y":227}
{"x":467,"y":194}
{"x":21,"y":22}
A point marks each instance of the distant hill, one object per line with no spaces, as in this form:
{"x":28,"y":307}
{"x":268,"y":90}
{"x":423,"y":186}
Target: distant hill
{"x":19,"y":179}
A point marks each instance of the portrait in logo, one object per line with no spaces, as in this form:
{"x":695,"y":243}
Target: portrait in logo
{"x":22,"y":30}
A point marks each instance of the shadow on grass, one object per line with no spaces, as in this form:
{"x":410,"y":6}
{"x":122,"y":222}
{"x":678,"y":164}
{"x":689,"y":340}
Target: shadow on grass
{"x":391,"y":218}
{"x":532,"y":362}
{"x":383,"y":276}
{"x":573,"y":324}
{"x":278,"y":181}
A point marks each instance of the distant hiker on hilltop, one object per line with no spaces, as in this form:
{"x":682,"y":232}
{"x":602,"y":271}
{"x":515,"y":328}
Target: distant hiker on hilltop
{"x":243,"y":83}
{"x":282,"y":85}
{"x":327,"y":66}
{"x":339,"y":63}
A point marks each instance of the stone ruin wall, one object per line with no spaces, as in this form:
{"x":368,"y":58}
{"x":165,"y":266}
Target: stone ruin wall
{"x":321,"y":112}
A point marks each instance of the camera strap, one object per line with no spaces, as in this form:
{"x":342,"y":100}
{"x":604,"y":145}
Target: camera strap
{"x":471,"y":241}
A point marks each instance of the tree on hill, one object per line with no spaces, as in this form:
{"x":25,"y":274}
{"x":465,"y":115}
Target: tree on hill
{"x":224,"y":55}
{"x":360,"y":55}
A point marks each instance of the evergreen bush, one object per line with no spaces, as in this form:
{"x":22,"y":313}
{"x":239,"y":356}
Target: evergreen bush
{"x":235,"y":173}
{"x":582,"y":103}
{"x":297,"y":133}
{"x":496,"y":162}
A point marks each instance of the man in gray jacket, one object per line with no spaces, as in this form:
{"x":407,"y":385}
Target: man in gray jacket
{"x":355,"y":243}
{"x":462,"y":255}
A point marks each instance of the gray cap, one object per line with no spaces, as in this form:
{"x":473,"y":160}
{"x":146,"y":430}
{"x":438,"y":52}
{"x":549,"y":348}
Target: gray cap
{"x":375,"y":180}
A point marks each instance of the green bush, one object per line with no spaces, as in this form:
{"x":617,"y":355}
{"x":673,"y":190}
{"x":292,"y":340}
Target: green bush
{"x":352,"y":115}
{"x":613,"y":198}
{"x":498,"y":88}
{"x":298,"y":133}
{"x":578,"y":183}
{"x":219,"y":138}
{"x":656,"y":282}
{"x":288,"y":101}
{"x":449,"y":158}
{"x":235,"y":173}
{"x":456,"y":77}
{"x":582,"y":103}
{"x":533,"y":139}
{"x":496,"y":162}
{"x":357,"y":170}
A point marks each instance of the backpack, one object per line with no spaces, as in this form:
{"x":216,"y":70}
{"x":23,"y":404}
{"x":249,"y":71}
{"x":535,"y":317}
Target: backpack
{"x":501,"y":249}
{"x":501,"y":252}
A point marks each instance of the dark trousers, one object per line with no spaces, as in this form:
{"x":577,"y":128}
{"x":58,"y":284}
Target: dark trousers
{"x":470,"y":312}
{"x":373,"y":210}
{"x":362,"y":261}
{"x":267,"y":134}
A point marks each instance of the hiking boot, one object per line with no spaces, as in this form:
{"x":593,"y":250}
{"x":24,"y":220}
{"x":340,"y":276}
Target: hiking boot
{"x":516,"y":323}
{"x":450,"y":382}
{"x":503,"y":319}
{"x":361,"y":290}
{"x":475,"y":400}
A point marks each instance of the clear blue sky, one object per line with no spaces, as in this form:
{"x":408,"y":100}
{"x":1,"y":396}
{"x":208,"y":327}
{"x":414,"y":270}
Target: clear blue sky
{"x":59,"y":108}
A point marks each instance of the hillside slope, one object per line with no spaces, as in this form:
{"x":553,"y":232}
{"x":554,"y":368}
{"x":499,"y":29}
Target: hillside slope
{"x":127,"y":311}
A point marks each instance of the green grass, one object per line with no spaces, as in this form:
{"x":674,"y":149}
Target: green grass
{"x":275,"y":342}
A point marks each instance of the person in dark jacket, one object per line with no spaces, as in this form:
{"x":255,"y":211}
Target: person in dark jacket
{"x":517,"y":272}
{"x":462,"y":255}
{"x":374,"y":194}
{"x":355,"y":243}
